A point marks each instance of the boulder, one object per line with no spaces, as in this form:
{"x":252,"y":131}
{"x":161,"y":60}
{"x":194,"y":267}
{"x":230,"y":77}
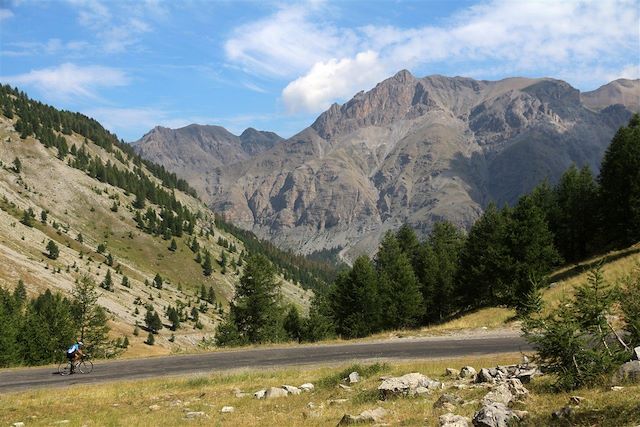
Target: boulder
{"x":499,"y":394}
{"x":307,"y":387}
{"x":452,"y":420}
{"x":525,"y":375}
{"x":422,"y":391}
{"x":448,"y":398}
{"x":227,"y":409}
{"x":368,"y":416}
{"x":354,"y":377}
{"x":467,"y":372}
{"x":273,"y":392}
{"x":484,"y":376}
{"x":629,"y":372}
{"x":406,"y":385}
{"x":292,"y":390}
{"x":517,"y":389}
{"x":494,"y":415}
{"x":260,"y":394}
{"x":451,"y":372}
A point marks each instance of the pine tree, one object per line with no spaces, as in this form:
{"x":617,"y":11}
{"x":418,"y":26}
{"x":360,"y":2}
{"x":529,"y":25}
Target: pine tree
{"x":207,"y":268}
{"x":125,"y":282}
{"x":211,"y":296}
{"x":53,"y":250}
{"x":174,"y":318}
{"x":152,"y":320}
{"x":629,"y":300}
{"x":293,"y":324}
{"x":355,"y":301}
{"x":255,"y":309}
{"x":27,"y":217}
{"x":43,"y":216}
{"x":398,"y":290}
{"x":620,"y":185}
{"x":107,"y":283}
{"x":150,"y":339}
{"x":17,"y":165}
{"x":173,"y":246}
{"x":157,"y":281}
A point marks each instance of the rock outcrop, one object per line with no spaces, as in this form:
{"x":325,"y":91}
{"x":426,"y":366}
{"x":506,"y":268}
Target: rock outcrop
{"x":411,"y":150}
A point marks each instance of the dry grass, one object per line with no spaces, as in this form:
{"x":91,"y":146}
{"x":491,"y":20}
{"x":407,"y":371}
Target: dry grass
{"x":128,"y":403}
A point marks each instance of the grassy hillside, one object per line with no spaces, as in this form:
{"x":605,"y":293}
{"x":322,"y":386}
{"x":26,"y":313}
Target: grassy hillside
{"x":77,"y":204}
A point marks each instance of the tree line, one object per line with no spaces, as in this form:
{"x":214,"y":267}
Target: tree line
{"x":35,"y":331}
{"x":503,"y":260}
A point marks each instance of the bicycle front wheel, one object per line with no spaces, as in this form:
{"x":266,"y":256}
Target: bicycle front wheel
{"x":64,"y":368}
{"x":85,"y":367}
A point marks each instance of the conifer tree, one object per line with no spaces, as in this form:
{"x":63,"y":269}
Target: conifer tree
{"x":152,"y":320}
{"x":400,"y":297}
{"x":355,"y":301}
{"x":293,"y":324}
{"x":173,"y":246}
{"x":17,"y":165}
{"x":53,"y":250}
{"x":157,"y":281}
{"x":107,"y":283}
{"x":207,"y":268}
{"x":620,"y":185}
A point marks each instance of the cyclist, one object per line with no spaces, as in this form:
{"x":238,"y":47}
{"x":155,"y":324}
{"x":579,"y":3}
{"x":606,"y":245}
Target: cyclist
{"x":74,"y":353}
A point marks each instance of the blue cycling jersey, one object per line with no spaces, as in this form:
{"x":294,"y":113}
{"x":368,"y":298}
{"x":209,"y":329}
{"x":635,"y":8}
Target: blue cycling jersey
{"x":73,"y":348}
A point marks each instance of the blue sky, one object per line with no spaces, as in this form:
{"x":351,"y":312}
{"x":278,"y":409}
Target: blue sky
{"x":276,"y":65}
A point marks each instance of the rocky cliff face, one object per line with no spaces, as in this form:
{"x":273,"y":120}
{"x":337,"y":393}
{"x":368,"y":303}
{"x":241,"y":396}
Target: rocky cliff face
{"x":410,"y":150}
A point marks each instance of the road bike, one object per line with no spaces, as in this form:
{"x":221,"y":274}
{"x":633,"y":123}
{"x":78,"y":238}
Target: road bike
{"x":83,"y":365}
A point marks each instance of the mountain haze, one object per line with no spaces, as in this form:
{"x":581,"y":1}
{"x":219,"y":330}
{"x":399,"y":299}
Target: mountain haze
{"x":411,"y":150}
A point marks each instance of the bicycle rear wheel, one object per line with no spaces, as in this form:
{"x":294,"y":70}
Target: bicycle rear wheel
{"x":85,"y":367}
{"x":64,"y":368}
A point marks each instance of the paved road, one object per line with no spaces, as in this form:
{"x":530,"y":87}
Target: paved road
{"x":421,"y":348}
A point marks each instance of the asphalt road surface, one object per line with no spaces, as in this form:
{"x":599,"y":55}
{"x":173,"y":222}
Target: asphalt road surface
{"x":417,"y":348}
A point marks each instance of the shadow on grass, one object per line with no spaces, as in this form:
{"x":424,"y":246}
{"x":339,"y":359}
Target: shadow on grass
{"x":581,"y":268}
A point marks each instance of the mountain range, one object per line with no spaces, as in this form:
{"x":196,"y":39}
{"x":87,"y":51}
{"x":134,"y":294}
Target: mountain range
{"x":411,"y":150}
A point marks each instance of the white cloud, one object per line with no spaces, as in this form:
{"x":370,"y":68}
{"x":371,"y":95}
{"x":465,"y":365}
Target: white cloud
{"x":287,"y":42}
{"x":332,"y":79}
{"x":70,"y":80}
{"x":516,"y":37}
{"x":5,"y":14}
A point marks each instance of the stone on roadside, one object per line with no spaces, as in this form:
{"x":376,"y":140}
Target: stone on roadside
{"x":467,"y":372}
{"x":368,"y":416}
{"x":516,"y":388}
{"x":260,"y":394}
{"x":273,"y":392}
{"x":227,"y":409}
{"x":422,"y":391}
{"x":452,"y":420}
{"x":354,"y":377}
{"x":451,"y":372}
{"x":494,"y":415}
{"x":307,"y":387}
{"x":485,"y":376}
{"x":195,"y":414}
{"x":406,"y":385}
{"x":499,"y":394}
{"x":448,"y":398}
{"x":292,"y":390}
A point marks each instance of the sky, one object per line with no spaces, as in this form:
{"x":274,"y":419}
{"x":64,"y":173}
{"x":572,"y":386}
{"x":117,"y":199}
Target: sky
{"x":275,"y":65}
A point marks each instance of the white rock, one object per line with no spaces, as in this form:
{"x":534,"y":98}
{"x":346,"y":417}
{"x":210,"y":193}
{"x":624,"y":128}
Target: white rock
{"x":227,"y":409}
{"x":337,"y":401}
{"x":195,"y":414}
{"x":407,"y":385}
{"x":260,"y":394}
{"x":273,"y":392}
{"x":467,"y":372}
{"x":18,"y":424}
{"x":62,"y":422}
{"x":344,"y":387}
{"x":307,"y":387}
{"x":368,"y":416}
{"x":636,"y":353}
{"x":354,"y":377}
{"x":154,"y":407}
{"x":292,"y":390}
{"x":422,"y":391}
{"x":452,"y":420}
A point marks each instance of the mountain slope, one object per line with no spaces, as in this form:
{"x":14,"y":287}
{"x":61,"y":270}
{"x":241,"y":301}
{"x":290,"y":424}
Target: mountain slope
{"x":413,"y":150}
{"x":84,"y":211}
{"x":194,"y":148}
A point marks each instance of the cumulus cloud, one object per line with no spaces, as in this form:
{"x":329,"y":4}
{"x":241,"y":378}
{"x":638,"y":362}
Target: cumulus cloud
{"x":5,"y":14}
{"x":70,"y":80}
{"x":332,"y":79}
{"x":327,"y":62}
